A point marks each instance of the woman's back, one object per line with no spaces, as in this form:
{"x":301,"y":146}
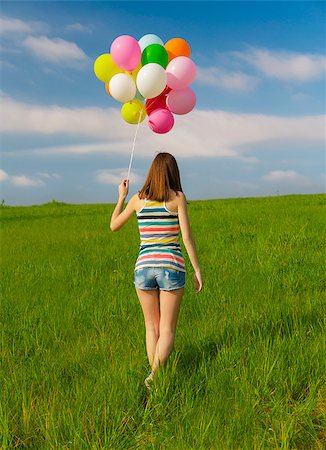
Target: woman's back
{"x":159,"y":236}
{"x":171,"y":203}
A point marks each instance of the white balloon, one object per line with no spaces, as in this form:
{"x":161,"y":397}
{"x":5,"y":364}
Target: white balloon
{"x":149,"y":39}
{"x":151,"y":80}
{"x":122,"y":87}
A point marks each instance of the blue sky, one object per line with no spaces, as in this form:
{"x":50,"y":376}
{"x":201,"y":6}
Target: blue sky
{"x":257,"y":128}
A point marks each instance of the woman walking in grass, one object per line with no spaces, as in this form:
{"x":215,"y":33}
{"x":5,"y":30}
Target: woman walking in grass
{"x":159,"y":276}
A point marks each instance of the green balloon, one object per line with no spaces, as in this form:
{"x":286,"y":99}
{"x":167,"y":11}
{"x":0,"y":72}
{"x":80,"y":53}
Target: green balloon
{"x":155,"y":53}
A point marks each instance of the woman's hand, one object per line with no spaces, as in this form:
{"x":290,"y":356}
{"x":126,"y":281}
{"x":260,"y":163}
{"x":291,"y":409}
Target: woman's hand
{"x":123,"y":189}
{"x":198,"y":281}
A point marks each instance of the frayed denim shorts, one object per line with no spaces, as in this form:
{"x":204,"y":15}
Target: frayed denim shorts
{"x":163,"y":278}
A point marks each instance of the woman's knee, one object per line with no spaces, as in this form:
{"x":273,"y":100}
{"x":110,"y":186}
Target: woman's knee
{"x":153,"y":331}
{"x":167,"y":333}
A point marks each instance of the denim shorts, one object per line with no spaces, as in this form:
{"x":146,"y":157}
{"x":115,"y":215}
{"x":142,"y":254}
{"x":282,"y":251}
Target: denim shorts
{"x":163,"y":278}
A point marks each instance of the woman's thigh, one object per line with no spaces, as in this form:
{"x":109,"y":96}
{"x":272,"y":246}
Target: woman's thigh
{"x":170,"y":302}
{"x":149,"y":301}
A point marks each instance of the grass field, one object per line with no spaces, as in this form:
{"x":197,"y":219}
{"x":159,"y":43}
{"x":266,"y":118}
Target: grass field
{"x":247,"y":368}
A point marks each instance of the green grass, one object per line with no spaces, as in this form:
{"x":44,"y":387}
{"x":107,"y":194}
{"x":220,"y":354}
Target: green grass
{"x":247,"y":368}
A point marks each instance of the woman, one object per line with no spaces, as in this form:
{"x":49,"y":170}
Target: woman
{"x":161,"y":210}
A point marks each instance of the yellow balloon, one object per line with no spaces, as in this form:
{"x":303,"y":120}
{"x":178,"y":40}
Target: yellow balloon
{"x":131,"y":111}
{"x":105,"y":68}
{"x":134,"y":73}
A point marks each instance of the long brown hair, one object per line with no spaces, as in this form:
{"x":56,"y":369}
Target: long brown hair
{"x":163,"y":175}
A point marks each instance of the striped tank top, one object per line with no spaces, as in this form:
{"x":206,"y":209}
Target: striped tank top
{"x":159,"y":237}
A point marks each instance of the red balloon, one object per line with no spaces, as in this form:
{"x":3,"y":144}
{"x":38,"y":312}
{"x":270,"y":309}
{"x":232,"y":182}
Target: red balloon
{"x":167,"y":90}
{"x":158,"y":102}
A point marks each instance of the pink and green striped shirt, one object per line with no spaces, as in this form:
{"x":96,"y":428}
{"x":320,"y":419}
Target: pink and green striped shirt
{"x":159,"y":237}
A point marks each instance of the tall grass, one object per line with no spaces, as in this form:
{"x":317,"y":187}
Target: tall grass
{"x":247,"y":368}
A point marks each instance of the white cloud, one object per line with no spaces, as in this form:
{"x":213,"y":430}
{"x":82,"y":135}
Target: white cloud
{"x":115,"y":176}
{"x":201,"y":133}
{"x":287,"y":176}
{"x":49,"y":176}
{"x":22,"y":117}
{"x":55,"y":50}
{"x":78,"y":27}
{"x":26,"y":181}
{"x":3,"y":175}
{"x":13,"y":26}
{"x":285,"y":65}
{"x":23,"y":181}
{"x":216,"y":77}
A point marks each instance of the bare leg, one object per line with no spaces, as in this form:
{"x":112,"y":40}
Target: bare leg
{"x":170,"y":302}
{"x":149,"y":301}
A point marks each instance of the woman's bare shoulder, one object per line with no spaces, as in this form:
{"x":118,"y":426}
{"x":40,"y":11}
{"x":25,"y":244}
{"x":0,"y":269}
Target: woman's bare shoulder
{"x":180,"y":197}
{"x":138,"y":203}
{"x":175,"y":201}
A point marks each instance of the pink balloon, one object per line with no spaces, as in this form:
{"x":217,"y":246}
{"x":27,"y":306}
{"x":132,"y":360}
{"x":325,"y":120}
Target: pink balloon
{"x":125,"y":52}
{"x":161,"y":120}
{"x":180,"y":72}
{"x":181,"y":101}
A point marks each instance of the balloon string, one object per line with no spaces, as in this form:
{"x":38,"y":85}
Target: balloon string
{"x":151,"y":102}
{"x":133,"y":146}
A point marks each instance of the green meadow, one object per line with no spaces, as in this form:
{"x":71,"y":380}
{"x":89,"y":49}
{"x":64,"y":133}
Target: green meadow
{"x":248,"y":364}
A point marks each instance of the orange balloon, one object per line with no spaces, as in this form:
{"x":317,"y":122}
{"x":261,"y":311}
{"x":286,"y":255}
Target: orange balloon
{"x":177,"y":47}
{"x":107,"y":89}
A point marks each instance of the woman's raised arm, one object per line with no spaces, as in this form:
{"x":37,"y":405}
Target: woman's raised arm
{"x":120,"y":216}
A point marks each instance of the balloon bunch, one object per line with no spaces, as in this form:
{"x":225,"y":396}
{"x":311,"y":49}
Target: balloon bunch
{"x":149,"y":78}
